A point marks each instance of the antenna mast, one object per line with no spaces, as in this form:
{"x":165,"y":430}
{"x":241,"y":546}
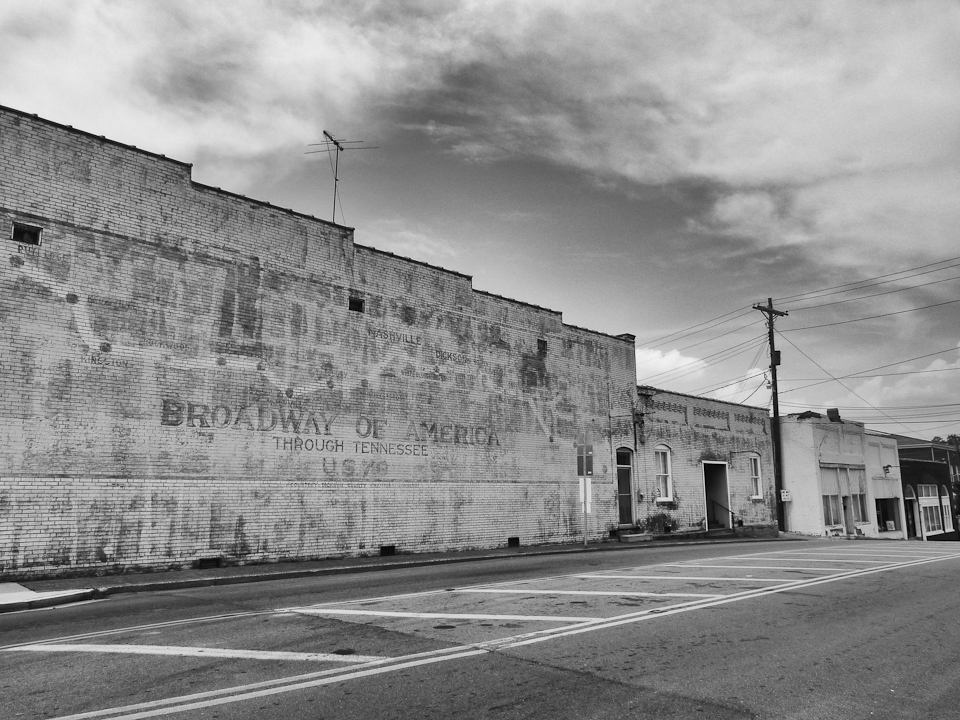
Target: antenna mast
{"x":332,"y":144}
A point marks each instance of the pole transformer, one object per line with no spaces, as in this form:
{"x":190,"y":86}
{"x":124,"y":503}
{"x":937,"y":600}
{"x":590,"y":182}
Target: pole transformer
{"x":775,"y":425}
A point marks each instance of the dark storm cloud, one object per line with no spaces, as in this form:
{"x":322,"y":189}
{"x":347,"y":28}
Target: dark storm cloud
{"x":732,"y":149}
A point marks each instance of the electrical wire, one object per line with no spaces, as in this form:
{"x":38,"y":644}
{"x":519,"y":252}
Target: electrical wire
{"x":886,"y":292}
{"x":701,"y":361}
{"x":858,"y":376}
{"x":872,"y":317}
{"x":853,"y":376}
{"x":839,"y":382}
{"x":861,"y":282}
{"x":711,"y":388}
{"x":753,"y":363}
{"x":744,"y":401}
{"x":687,"y":331}
{"x":701,"y":342}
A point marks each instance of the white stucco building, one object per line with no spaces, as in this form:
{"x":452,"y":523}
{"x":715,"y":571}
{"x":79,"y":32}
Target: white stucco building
{"x":841,"y":480}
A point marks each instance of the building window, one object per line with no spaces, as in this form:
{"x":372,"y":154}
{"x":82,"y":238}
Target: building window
{"x":859,"y":502}
{"x":945,"y":504}
{"x":541,"y":347}
{"x":356,"y":304}
{"x":755,"y":485}
{"x":26,"y":234}
{"x":664,"y":476}
{"x":831,"y":510}
{"x":931,"y":519}
{"x":930,"y":508}
{"x":585,"y":454}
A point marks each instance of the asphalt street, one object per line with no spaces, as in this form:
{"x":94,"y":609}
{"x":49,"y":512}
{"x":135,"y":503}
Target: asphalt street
{"x":811,"y":629}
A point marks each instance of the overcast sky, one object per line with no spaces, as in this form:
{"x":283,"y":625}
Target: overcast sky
{"x":642,"y":167}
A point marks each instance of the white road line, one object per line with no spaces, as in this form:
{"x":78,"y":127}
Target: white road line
{"x":686,"y":577}
{"x":748,"y":595}
{"x":438,"y":616}
{"x":149,"y":626}
{"x":201,"y":652}
{"x":271,"y":687}
{"x":914,"y":550}
{"x":919,"y":556}
{"x":588,"y":592}
{"x":833,"y":560}
{"x":754,"y":567}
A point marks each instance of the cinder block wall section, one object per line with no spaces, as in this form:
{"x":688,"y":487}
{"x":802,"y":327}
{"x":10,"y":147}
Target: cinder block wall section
{"x":188,"y":373}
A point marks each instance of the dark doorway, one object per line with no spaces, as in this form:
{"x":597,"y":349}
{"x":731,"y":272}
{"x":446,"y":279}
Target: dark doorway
{"x":717,"y":495}
{"x":911,"y":518}
{"x":625,"y":485}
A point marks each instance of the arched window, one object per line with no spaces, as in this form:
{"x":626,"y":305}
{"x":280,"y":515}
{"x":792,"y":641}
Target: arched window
{"x":664,"y":474}
{"x":909,"y":494}
{"x":625,"y":485}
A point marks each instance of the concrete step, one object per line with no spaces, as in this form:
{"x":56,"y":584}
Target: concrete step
{"x":639,"y":536}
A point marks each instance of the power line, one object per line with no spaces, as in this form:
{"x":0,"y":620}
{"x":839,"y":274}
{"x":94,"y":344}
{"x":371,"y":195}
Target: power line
{"x":886,"y":292}
{"x":884,"y":407}
{"x":853,"y":392}
{"x":872,"y":317}
{"x":865,"y":280}
{"x":853,"y":376}
{"x":762,"y":383}
{"x":659,"y":341}
{"x":701,"y":342}
{"x":711,"y":388}
{"x":701,"y":361}
{"x":858,"y":375}
{"x":753,"y":364}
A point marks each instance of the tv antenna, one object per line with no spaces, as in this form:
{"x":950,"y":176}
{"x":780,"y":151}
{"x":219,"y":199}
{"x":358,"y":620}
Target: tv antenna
{"x":331,"y":145}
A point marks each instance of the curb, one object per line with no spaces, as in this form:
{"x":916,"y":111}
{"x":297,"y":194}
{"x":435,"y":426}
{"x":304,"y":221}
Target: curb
{"x":49,"y":601}
{"x":105,"y":591}
{"x":99,"y":593}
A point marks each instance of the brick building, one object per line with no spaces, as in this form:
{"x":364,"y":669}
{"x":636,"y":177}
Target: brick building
{"x":705,"y":465}
{"x":191,"y":374}
{"x":930,"y":473}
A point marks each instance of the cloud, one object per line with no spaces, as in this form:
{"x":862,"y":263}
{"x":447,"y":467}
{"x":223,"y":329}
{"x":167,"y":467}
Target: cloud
{"x":657,"y":366}
{"x":755,"y":97}
{"x":921,"y":399}
{"x":418,"y":244}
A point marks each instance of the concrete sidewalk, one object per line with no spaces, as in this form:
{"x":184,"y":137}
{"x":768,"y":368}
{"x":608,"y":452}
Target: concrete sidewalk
{"x":30,"y":594}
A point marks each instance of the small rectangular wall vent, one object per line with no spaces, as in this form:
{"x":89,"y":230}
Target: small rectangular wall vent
{"x":386,"y":550}
{"x":356,"y":304}
{"x":209,"y":563}
{"x":513,"y":542}
{"x":26,"y":234}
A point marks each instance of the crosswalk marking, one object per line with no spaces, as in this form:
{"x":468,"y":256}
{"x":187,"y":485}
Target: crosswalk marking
{"x":682,"y":577}
{"x":568,"y":625}
{"x":201,"y":652}
{"x":755,"y":567}
{"x":587,"y":592}
{"x":438,"y":616}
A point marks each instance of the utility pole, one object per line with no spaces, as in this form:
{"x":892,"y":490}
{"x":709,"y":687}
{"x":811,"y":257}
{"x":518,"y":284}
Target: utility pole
{"x":775,"y":425}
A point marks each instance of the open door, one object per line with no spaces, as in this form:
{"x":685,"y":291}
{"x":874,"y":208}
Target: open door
{"x":716,"y":493}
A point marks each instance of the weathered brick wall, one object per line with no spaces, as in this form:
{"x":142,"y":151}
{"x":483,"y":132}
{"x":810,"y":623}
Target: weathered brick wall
{"x":183,"y":377}
{"x":699,"y":430}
